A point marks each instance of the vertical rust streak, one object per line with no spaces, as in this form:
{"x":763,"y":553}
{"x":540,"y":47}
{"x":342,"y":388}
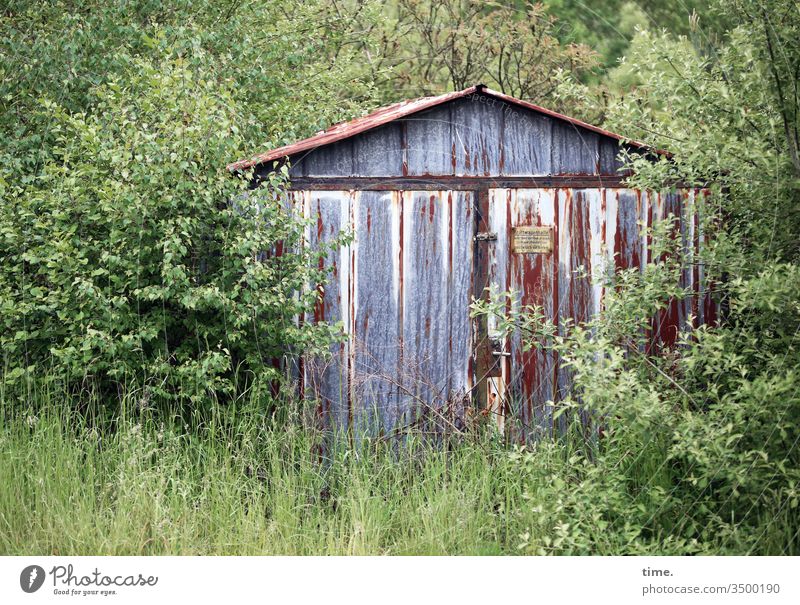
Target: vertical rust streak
{"x":319,"y":308}
{"x":450,"y":285}
{"x":450,"y":235}
{"x":352,"y":319}
{"x":301,"y":366}
{"x":555,"y":286}
{"x":508,"y":284}
{"x":603,"y":243}
{"x":400,"y":289}
{"x":471,"y":369}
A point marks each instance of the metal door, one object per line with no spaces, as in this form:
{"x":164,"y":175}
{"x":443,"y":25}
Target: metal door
{"x":402,"y":290}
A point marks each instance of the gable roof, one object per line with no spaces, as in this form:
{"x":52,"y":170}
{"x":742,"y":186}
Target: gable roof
{"x":384,"y":115}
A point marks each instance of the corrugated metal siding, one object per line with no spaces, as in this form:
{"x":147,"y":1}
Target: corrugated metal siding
{"x":429,"y":141}
{"x":376,"y":330}
{"x":328,"y":379}
{"x":471,"y":136}
{"x":595,"y":230}
{"x":526,"y":144}
{"x":402,"y":290}
{"x":406,"y":109}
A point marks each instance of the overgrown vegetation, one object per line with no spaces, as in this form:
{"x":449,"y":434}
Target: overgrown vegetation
{"x":130,"y":257}
{"x":137,"y":403}
{"x":238,"y":480}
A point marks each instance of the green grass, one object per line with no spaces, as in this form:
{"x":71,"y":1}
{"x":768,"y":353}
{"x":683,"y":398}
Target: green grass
{"x":144,"y":488}
{"x":237,"y":481}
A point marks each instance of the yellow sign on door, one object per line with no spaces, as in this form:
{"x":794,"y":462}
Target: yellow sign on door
{"x":532,"y":240}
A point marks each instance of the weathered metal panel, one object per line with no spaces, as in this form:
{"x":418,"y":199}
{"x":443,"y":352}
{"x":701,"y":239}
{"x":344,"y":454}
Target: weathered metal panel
{"x":473,"y":136}
{"x":327,"y":379}
{"x":402,"y":289}
{"x":430,"y":142}
{"x":379,"y":152}
{"x":574,"y":150}
{"x":297,"y":168}
{"x":574,"y":285}
{"x":465,"y":138}
{"x":575,"y":253}
{"x":526,"y":143}
{"x":476,"y":136}
{"x":627,"y":241}
{"x":459,"y":269}
{"x":533,"y":277}
{"x":597,"y":232}
{"x":673,"y":318}
{"x":600,"y":258}
{"x":404,"y":286}
{"x":609,"y":152}
{"x":333,"y":160}
{"x":425,"y":370}
{"x":385,"y":115}
{"x":376,"y":303}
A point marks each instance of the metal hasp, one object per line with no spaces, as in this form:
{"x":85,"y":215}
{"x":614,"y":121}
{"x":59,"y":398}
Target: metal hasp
{"x":450,"y":197}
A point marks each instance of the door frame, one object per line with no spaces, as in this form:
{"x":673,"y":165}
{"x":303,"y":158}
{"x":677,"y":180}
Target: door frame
{"x":490,"y":357}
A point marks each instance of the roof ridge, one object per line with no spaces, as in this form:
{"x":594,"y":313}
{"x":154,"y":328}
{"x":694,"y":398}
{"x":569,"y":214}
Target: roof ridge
{"x":401,"y":109}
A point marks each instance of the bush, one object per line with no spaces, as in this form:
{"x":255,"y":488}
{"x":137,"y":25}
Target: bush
{"x":693,"y":450}
{"x":136,"y":258}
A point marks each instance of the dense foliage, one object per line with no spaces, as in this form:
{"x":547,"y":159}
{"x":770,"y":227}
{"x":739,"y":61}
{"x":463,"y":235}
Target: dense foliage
{"x":129,"y":256}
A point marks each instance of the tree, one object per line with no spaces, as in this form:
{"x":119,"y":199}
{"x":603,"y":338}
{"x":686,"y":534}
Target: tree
{"x":432,"y":46}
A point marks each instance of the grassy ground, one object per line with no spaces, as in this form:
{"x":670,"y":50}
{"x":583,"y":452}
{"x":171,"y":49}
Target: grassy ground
{"x":148,"y":488}
{"x":71,"y":484}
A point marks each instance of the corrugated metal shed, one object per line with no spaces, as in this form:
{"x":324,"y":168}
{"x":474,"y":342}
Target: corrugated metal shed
{"x":439,"y":192}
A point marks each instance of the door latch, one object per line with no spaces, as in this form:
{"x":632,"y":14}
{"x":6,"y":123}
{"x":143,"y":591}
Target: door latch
{"x":497,"y":347}
{"x":486,"y":236}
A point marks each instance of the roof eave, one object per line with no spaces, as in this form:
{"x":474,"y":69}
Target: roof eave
{"x":385,"y":115}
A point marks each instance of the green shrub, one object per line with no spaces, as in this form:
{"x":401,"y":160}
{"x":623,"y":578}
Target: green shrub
{"x":136,"y":258}
{"x":691,"y":450}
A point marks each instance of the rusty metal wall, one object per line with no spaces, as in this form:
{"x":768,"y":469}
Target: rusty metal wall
{"x":403,"y":288}
{"x":477,"y":135}
{"x":595,"y":230}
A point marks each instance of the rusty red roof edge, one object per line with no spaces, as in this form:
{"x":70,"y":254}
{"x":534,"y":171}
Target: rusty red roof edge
{"x":384,"y":115}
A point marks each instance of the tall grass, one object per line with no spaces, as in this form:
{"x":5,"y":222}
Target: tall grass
{"x":238,"y":481}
